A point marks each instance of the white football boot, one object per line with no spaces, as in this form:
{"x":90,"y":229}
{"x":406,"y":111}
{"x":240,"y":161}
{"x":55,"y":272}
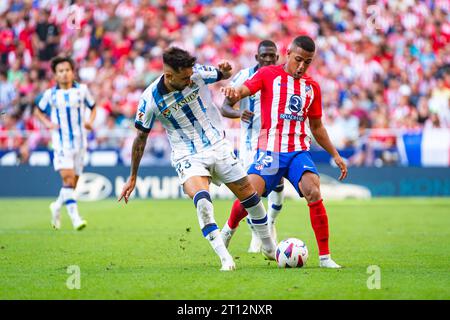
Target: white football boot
{"x":273,"y":231}
{"x":228,"y":264}
{"x":80,"y":225}
{"x":56,"y":216}
{"x":269,"y":253}
{"x":227,"y":233}
{"x":255,"y":244}
{"x":325,"y":261}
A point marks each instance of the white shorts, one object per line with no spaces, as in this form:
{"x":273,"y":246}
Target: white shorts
{"x":69,"y":159}
{"x":247,"y":157}
{"x":218,"y":162}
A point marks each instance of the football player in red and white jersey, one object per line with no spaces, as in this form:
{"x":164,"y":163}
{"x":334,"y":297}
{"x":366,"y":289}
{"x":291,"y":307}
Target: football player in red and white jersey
{"x":290,"y":102}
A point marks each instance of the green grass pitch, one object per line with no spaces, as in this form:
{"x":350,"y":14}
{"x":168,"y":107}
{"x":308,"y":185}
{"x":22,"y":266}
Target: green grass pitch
{"x":152,"y":249}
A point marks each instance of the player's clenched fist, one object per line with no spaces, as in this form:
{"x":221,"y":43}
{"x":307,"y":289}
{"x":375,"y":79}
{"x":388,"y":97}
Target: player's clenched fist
{"x":224,"y":66}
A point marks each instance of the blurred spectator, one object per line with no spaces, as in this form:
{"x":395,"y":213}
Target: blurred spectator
{"x":440,"y":98}
{"x":10,"y":132}
{"x":48,"y":36}
{"x":433,"y":122}
{"x":157,"y":151}
{"x":364,"y":152}
{"x":109,"y":136}
{"x":350,"y":124}
{"x":377,"y":74}
{"x":8,"y":93}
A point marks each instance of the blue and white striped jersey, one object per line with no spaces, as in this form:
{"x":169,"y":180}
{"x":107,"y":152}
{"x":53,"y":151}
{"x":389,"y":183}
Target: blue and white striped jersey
{"x":249,"y":131}
{"x":66,"y":108}
{"x":182,"y":113}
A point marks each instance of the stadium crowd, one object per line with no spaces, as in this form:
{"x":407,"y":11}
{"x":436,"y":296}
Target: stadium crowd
{"x":382,"y":65}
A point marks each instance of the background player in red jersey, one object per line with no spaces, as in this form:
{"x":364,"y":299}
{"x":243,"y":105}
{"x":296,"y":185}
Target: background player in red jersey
{"x":289,"y":97}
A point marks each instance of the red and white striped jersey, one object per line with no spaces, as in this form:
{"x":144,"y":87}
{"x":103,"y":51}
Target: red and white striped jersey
{"x":286,"y":103}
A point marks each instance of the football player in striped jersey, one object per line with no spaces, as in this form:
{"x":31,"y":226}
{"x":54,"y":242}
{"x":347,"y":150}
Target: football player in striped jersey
{"x":62,"y":109}
{"x":181,"y":101}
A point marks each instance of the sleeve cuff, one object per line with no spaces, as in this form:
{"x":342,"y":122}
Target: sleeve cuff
{"x":42,"y":111}
{"x":141,"y":128}
{"x":219,"y":75}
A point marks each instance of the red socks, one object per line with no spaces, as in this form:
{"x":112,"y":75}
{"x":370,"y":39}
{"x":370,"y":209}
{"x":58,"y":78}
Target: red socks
{"x":317,"y":212}
{"x":319,"y":222}
{"x":237,"y":214}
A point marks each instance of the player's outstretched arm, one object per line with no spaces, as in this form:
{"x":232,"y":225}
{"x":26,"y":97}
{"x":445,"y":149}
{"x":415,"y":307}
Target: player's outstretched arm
{"x":136,"y":155}
{"x":320,"y":134}
{"x":233,"y":95}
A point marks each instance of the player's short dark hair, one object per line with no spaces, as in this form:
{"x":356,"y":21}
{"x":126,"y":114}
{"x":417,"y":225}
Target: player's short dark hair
{"x":306,"y":43}
{"x":267,"y":43}
{"x":57,"y":60}
{"x":178,"y":58}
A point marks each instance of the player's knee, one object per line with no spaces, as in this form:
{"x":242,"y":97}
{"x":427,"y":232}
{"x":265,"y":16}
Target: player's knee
{"x":69,"y":181}
{"x":257,"y":184}
{"x":312,"y":194}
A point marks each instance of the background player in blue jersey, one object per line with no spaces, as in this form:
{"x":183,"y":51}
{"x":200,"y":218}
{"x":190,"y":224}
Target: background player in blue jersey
{"x":62,"y":110}
{"x":250,"y":113}
{"x":181,"y":101}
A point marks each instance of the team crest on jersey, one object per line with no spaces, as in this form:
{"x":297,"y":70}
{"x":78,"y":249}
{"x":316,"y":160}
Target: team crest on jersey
{"x":166,"y":113}
{"x":308,"y":91}
{"x":296,"y":107}
{"x":295,"y":104}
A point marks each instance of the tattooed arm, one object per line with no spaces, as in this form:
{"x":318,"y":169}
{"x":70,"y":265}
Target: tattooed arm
{"x":136,"y":155}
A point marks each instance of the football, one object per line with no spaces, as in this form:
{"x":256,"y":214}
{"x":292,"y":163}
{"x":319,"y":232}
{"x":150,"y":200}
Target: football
{"x":291,"y":253}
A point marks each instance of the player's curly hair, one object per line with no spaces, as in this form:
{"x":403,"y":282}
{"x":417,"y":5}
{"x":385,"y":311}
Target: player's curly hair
{"x":178,"y":58}
{"x":305,"y":42}
{"x":57,"y":60}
